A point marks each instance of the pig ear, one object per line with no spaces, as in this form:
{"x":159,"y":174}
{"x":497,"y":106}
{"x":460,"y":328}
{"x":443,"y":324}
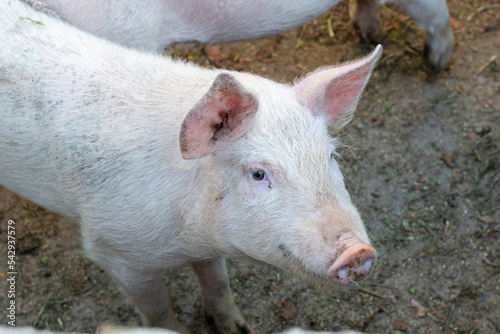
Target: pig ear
{"x":224,"y":114}
{"x":334,"y":92}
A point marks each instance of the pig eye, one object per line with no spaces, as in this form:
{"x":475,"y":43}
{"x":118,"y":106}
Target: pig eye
{"x":258,"y":175}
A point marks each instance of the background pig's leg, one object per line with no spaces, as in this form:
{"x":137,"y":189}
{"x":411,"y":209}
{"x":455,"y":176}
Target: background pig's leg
{"x":366,"y":18}
{"x":433,"y":17}
{"x":218,"y":301}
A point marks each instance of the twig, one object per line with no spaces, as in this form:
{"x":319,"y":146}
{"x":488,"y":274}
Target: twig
{"x":411,"y":238}
{"x":450,"y":317}
{"x":497,"y":327}
{"x":330,"y":29}
{"x":410,"y":50}
{"x":482,"y":68}
{"x":384,"y":59}
{"x":22,"y":18}
{"x":418,"y":305}
{"x":8,"y":208}
{"x":402,"y":19}
{"x":359,"y":287}
{"x":485,"y":260}
{"x":42,"y":309}
{"x":482,"y":9}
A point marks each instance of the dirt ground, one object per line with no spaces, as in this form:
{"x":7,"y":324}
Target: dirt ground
{"x":421,"y":161}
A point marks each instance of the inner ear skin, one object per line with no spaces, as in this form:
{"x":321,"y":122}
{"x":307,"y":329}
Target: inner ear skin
{"x":217,"y":127}
{"x":224,"y":113}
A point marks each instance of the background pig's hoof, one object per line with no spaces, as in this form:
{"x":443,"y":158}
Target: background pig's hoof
{"x":370,"y":33}
{"x":354,"y":264}
{"x":438,"y":48}
{"x":245,"y":329}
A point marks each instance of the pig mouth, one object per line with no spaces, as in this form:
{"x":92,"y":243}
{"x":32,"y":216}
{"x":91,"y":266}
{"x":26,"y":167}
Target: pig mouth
{"x":353,"y":264}
{"x":297,"y":267}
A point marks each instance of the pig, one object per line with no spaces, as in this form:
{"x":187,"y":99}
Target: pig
{"x":122,"y":330}
{"x":165,"y":164}
{"x":156,"y":24}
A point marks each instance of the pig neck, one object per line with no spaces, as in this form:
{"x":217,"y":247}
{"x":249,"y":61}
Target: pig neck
{"x":200,"y":236}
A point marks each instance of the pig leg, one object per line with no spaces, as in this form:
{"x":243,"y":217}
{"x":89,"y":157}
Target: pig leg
{"x":143,"y":287}
{"x":149,"y":294}
{"x":434,"y":18}
{"x":366,"y":18}
{"x":218,"y":302}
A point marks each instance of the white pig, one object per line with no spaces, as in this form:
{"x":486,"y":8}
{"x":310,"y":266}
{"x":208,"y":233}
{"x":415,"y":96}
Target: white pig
{"x":122,"y":330}
{"x":165,"y":164}
{"x":155,"y":24}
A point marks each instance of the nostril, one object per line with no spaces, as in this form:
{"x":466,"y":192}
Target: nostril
{"x":349,"y":273}
{"x":368,"y":264}
{"x":354,"y":264}
{"x":343,"y":272}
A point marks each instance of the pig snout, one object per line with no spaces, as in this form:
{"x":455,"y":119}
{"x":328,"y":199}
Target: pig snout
{"x":353,"y":264}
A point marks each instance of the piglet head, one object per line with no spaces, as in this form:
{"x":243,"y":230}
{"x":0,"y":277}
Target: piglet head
{"x":333,"y":93}
{"x":278,"y":192}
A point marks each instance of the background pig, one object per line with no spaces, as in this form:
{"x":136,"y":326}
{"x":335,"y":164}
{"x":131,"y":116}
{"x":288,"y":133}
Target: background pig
{"x":122,"y":330}
{"x":165,"y":164}
{"x":155,"y":24}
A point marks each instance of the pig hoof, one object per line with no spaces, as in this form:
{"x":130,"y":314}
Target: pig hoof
{"x":438,"y":48}
{"x":245,"y":329}
{"x":365,"y":20}
{"x":228,"y":326}
{"x":354,"y":264}
{"x":369,"y":33}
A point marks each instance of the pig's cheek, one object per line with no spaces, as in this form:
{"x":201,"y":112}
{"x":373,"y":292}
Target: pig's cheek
{"x":337,"y":175}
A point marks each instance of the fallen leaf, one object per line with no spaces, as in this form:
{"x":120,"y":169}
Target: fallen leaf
{"x":491,"y":235}
{"x":400,"y":324}
{"x":486,"y":219}
{"x":454,"y":23}
{"x":214,"y":54}
{"x":472,"y":136}
{"x":448,"y":159}
{"x":375,"y":121}
{"x":421,"y":311}
{"x":386,"y":273}
{"x":290,"y":310}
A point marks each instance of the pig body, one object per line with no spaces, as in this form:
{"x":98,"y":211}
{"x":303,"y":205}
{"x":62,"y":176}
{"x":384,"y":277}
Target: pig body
{"x":164,"y":164}
{"x":155,"y":24}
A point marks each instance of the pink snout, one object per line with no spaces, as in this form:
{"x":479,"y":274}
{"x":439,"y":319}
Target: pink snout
{"x":354,"y":264}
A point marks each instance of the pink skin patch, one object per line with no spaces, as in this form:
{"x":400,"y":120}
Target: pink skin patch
{"x":353,"y":265}
{"x":335,"y":91}
{"x":225,"y":113}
